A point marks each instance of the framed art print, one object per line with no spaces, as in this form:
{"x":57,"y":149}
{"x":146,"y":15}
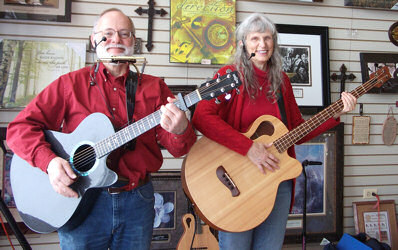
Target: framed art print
{"x":305,"y":58}
{"x":202,"y":31}
{"x":379,"y":223}
{"x":49,"y":10}
{"x":324,"y":208}
{"x":371,"y":62}
{"x":170,"y":206}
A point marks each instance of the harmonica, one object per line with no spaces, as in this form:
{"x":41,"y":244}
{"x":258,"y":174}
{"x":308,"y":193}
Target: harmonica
{"x":122,"y":59}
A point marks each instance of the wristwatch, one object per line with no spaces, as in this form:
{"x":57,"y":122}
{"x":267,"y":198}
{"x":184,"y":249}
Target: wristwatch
{"x":393,"y":33}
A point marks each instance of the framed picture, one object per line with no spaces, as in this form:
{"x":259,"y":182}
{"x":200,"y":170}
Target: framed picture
{"x":380,"y":224}
{"x":170,"y":206}
{"x":6,"y":192}
{"x":371,"y":62}
{"x":28,"y":75}
{"x":393,"y":33}
{"x":305,"y":58}
{"x":202,"y":34}
{"x":324,"y":209}
{"x":386,"y":5}
{"x":360,"y":129}
{"x":38,"y":10}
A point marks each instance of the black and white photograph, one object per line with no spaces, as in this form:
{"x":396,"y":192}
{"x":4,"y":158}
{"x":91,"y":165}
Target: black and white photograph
{"x":304,"y":51}
{"x":371,"y":62}
{"x":296,"y":65}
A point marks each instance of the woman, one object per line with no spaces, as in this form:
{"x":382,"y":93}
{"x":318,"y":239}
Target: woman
{"x":259,"y":64}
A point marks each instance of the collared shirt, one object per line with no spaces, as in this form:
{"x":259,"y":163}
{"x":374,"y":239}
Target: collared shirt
{"x":67,"y":101}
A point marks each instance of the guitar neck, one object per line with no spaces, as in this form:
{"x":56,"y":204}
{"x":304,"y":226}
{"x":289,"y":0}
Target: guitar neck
{"x":290,"y":138}
{"x":136,"y":129}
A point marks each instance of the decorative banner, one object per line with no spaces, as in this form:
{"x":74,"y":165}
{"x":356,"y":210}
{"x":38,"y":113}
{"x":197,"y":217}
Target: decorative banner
{"x":27,"y":67}
{"x":202,"y":31}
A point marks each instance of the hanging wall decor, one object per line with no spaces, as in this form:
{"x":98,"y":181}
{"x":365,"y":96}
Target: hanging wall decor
{"x":50,"y":10}
{"x":375,"y":4}
{"x":307,"y":48}
{"x":27,"y":67}
{"x":393,"y":33}
{"x":202,"y":31}
{"x":371,"y":62}
{"x":389,"y":128}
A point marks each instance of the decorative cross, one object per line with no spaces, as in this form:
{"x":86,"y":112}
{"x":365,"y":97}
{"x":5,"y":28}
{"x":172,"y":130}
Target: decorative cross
{"x":151,"y":13}
{"x":342,"y":77}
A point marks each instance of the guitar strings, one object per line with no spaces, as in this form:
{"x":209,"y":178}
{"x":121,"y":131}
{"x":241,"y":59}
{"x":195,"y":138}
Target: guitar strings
{"x":296,"y":134}
{"x":90,"y":153}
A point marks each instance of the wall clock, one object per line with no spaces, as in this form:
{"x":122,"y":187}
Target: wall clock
{"x":393,"y":33}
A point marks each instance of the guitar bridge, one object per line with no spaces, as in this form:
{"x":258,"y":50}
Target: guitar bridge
{"x":225,"y":179}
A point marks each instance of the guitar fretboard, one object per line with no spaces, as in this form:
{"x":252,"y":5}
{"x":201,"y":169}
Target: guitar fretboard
{"x":290,"y":138}
{"x":132,"y":131}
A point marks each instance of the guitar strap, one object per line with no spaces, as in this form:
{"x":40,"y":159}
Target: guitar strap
{"x":281,"y":106}
{"x":131,"y":88}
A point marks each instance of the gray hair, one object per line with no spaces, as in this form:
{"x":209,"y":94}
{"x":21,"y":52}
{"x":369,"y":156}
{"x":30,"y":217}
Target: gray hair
{"x":257,"y":22}
{"x":110,"y":10}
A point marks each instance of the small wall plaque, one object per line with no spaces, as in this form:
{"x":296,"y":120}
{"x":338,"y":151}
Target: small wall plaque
{"x":360,"y":129}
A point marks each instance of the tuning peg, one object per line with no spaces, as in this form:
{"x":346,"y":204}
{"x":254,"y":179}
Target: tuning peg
{"x":227,"y":96}
{"x":237,"y":91}
{"x":229,"y":71}
{"x":217,"y":101}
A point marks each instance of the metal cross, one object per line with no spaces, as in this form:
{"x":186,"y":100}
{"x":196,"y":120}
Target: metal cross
{"x":151,"y":13}
{"x":342,"y":77}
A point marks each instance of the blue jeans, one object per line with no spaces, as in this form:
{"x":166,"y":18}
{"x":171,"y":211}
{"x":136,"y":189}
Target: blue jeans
{"x":269,"y":234}
{"x":115,"y":221}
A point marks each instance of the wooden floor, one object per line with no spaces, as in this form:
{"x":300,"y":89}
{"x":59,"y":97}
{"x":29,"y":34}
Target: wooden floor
{"x":52,"y":243}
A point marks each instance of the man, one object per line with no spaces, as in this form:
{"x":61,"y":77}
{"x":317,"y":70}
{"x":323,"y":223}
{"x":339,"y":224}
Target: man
{"x":120,"y":217}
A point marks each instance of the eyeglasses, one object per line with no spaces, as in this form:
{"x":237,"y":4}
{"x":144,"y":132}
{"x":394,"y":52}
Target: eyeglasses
{"x":109,"y":33}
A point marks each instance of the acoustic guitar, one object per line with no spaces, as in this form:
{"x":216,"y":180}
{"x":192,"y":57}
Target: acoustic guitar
{"x":86,"y":149}
{"x":228,"y":190}
{"x":196,"y":236}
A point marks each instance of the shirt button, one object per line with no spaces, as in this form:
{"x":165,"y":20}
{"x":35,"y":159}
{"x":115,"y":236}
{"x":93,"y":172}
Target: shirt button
{"x":133,"y":183}
{"x":113,"y":109}
{"x":114,"y":89}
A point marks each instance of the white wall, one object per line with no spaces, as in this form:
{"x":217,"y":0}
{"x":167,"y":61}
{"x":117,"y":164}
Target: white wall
{"x":351,"y":31}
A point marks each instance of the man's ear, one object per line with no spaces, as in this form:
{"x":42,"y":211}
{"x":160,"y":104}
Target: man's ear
{"x":92,"y":40}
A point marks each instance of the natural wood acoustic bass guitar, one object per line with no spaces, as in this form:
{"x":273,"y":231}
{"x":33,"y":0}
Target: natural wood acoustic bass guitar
{"x":228,"y":190}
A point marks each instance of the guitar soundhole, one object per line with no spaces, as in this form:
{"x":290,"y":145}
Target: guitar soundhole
{"x":83,"y":159}
{"x":265,"y":128}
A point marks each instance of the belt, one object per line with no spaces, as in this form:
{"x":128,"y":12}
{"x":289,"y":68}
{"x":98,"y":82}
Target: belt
{"x":122,"y":180}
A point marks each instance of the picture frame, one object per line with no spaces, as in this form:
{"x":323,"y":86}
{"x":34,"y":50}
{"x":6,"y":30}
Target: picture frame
{"x":324,"y":213}
{"x":313,"y":95}
{"x":167,"y":232}
{"x":360,"y":129}
{"x":52,"y":59}
{"x":370,"y":62}
{"x":53,"y":10}
{"x":385,"y":5}
{"x":211,"y":42}
{"x":6,"y":192}
{"x":393,"y":33}
{"x":366,"y":220}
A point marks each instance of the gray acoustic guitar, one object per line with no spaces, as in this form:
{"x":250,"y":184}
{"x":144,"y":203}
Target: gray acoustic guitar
{"x":86,"y":149}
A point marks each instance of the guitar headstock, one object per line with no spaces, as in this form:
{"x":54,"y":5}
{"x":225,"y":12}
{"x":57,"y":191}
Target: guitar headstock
{"x":220,"y":85}
{"x":382,"y":75}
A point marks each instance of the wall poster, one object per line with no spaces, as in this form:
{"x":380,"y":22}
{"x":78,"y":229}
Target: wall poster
{"x":202,"y":31}
{"x":27,"y":67}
